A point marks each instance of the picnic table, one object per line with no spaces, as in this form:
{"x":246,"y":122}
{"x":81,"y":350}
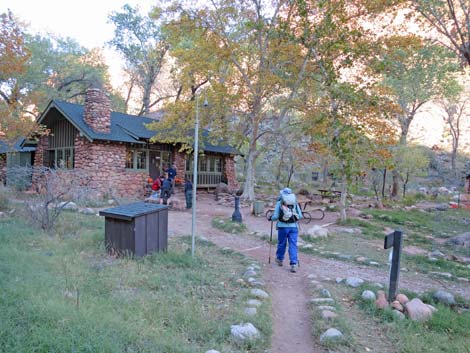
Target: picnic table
{"x":329,"y":194}
{"x":333,"y":195}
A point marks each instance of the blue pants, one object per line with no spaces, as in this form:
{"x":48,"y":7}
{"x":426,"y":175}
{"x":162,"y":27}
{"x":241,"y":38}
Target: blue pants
{"x":283,"y":236}
{"x":189,"y":198}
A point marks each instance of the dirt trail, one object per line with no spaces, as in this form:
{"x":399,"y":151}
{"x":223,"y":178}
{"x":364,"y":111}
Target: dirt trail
{"x":292,"y":328}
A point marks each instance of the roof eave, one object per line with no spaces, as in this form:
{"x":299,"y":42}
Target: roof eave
{"x":51,"y":105}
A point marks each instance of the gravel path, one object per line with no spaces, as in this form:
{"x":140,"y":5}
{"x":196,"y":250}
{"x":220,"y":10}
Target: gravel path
{"x":292,"y":328}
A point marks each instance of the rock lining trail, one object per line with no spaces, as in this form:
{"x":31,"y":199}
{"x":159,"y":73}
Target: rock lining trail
{"x":292,"y":319}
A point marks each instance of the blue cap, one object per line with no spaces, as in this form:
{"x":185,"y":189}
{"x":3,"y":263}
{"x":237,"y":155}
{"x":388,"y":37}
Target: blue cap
{"x":286,"y":191}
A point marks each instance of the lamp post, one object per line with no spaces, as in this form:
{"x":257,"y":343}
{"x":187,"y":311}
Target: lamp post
{"x":195,"y":161}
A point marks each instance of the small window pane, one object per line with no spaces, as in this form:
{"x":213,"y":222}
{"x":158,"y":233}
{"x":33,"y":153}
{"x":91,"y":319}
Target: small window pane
{"x":211,"y":164}
{"x":130,"y":159}
{"x":60,"y":163}
{"x":68,"y":158}
{"x":218,"y":165}
{"x":189,"y":164}
{"x":50,"y":160}
{"x":203,"y":164}
{"x":141,"y":160}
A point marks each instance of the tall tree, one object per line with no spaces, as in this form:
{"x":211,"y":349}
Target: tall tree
{"x":454,"y":112}
{"x":341,"y":109}
{"x":451,"y":18}
{"x":254,"y":68}
{"x":413,"y":74}
{"x":140,"y":41}
{"x":13,"y":63}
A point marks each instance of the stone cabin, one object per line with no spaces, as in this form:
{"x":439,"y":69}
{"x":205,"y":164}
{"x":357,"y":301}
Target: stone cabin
{"x":115,"y":149}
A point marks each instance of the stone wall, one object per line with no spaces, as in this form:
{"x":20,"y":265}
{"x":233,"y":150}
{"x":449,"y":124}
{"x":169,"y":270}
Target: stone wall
{"x":3,"y":168}
{"x":97,"y":112}
{"x":467,"y":184}
{"x":230,"y":173}
{"x":179,"y":160}
{"x":105,"y":164}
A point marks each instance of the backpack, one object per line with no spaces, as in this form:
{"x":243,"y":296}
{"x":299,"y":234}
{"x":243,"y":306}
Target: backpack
{"x":287,"y":210}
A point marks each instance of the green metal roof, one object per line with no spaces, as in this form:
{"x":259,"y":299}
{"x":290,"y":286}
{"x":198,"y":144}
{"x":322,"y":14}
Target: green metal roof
{"x":124,"y":127}
{"x":16,"y":147}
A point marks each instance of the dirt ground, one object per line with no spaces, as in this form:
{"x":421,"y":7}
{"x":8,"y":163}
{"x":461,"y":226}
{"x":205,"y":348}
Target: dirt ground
{"x":292,"y":330}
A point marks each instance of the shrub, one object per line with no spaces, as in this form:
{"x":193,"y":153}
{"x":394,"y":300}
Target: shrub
{"x":4,"y":199}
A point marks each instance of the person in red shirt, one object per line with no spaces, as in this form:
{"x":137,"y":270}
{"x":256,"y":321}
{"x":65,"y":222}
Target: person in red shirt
{"x":156,"y":184}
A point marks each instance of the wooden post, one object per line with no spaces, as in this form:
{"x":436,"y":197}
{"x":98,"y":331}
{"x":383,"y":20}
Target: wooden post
{"x":394,"y":240}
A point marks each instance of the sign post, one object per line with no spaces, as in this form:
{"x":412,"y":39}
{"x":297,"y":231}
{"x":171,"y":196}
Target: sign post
{"x":394,"y":240}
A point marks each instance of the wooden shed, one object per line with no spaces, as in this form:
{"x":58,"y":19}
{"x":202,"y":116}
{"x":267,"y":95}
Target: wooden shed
{"x":139,"y":228}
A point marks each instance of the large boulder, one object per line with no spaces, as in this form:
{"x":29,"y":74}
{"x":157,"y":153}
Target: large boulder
{"x":331,"y":335}
{"x":460,"y":240}
{"x":381,"y":302}
{"x":220,"y":189}
{"x":444,"y":297}
{"x":244,"y":332}
{"x":417,"y":310}
{"x":317,"y":232}
{"x":354,"y":282}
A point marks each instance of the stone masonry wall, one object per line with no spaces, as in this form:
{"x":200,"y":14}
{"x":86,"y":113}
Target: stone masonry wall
{"x":229,"y":170}
{"x":105,"y":164}
{"x":179,"y":160}
{"x":3,"y":168}
{"x":97,"y":113}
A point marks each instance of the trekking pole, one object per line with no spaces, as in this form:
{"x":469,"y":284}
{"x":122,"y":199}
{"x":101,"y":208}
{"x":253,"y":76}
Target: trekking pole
{"x":270,"y":243}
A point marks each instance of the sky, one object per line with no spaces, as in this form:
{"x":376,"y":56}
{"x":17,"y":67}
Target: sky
{"x":86,"y":21}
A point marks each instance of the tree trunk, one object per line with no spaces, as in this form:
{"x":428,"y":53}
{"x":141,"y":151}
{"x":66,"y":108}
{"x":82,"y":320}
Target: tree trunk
{"x":405,"y":127}
{"x":249,"y":187}
{"x":342,"y":203}
{"x":383,"y":183}
{"x":291,"y":172}
{"x":395,"y":178}
{"x":455,"y":146}
{"x":146,"y":101}
{"x":325,"y":172}
{"x":405,"y":183}
{"x":279,"y":167}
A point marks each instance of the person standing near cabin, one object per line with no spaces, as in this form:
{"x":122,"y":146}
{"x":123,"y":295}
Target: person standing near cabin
{"x":188,"y":192}
{"x":166,"y":190}
{"x":287,"y":213}
{"x":172,"y":176}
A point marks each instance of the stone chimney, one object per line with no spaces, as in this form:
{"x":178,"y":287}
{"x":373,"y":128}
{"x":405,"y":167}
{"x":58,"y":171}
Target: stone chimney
{"x":97,"y":113}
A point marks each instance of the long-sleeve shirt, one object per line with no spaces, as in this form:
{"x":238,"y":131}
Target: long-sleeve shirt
{"x":277,"y":212}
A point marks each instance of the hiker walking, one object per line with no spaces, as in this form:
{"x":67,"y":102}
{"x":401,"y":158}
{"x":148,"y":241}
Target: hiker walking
{"x":286,"y":213}
{"x":188,"y":192}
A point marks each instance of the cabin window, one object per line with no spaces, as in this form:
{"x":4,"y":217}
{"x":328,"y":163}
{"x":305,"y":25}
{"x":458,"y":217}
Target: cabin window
{"x":137,"y":159}
{"x":60,"y":158}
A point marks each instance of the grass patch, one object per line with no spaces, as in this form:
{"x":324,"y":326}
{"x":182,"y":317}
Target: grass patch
{"x":320,"y":325}
{"x":424,"y":264}
{"x":228,"y":226}
{"x":4,"y":198}
{"x":63,"y":293}
{"x":440,"y":224}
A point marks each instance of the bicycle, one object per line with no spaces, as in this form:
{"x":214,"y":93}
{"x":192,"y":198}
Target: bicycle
{"x":318,"y":214}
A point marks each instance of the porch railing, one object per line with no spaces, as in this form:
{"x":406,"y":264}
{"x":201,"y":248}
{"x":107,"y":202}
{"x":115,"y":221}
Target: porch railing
{"x":206,"y":179}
